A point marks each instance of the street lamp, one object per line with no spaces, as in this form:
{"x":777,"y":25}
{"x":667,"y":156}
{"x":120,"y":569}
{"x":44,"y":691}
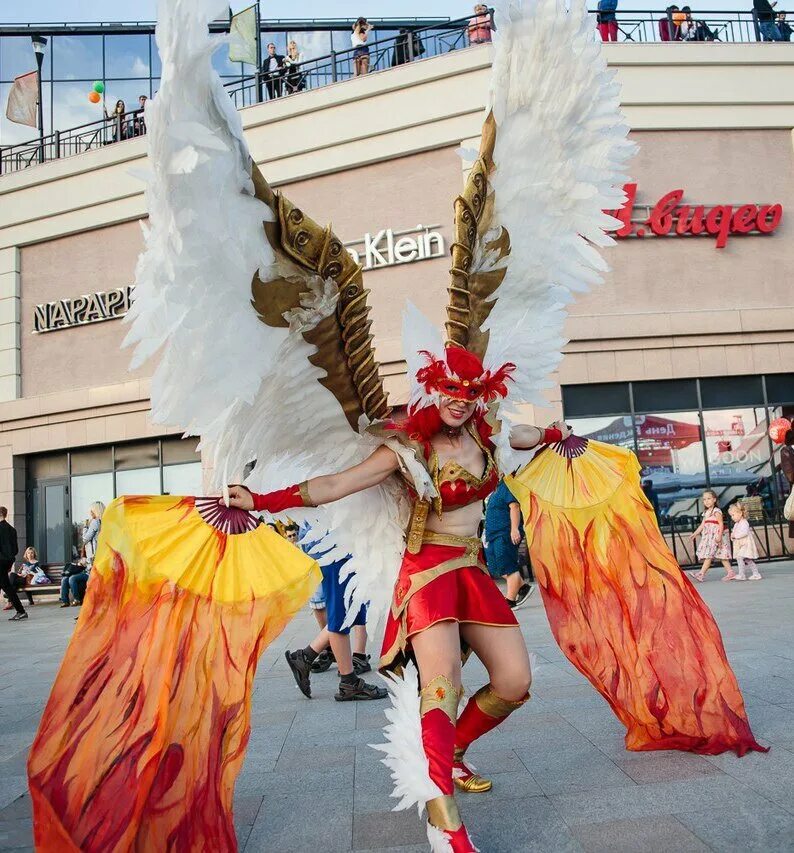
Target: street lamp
{"x":39,"y":46}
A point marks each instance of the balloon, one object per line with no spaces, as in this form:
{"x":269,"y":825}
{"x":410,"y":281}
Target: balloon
{"x":94,"y":97}
{"x":99,"y":87}
{"x":778,"y":429}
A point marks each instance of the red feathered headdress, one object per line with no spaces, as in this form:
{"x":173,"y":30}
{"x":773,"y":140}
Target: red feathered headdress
{"x":461,"y":376}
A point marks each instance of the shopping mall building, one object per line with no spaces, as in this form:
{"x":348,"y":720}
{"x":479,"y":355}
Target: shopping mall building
{"x":684,"y":354}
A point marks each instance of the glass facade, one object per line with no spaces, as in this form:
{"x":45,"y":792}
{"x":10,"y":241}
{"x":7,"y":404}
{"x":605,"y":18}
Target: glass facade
{"x":129,"y":66}
{"x":62,"y":486}
{"x":692,"y":434}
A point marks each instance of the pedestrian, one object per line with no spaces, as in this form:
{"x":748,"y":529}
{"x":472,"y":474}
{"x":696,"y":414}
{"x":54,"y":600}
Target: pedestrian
{"x":692,"y":30}
{"x":745,"y":551}
{"x":358,"y":39}
{"x":607,"y":21}
{"x":714,"y":540}
{"x":480,"y":26}
{"x":295,"y":80}
{"x":273,"y":71}
{"x":314,"y":658}
{"x":8,"y":553}
{"x":503,"y":526}
{"x":787,"y":468}
{"x":784,"y":28}
{"x":765,"y":13}
{"x":93,"y":525}
{"x":653,"y":498}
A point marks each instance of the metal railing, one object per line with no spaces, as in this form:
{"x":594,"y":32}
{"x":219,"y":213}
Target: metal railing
{"x":412,"y":43}
{"x":662,"y":25}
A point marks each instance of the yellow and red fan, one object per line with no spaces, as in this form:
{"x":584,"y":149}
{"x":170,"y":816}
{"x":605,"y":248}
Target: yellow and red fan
{"x":620,"y":607}
{"x":145,"y":729}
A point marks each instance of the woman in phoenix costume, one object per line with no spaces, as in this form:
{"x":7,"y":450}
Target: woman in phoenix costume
{"x":281,"y":369}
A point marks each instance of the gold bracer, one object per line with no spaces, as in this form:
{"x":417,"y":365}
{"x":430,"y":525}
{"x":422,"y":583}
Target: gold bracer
{"x":443,"y":813}
{"x":440,"y":693}
{"x":416,"y":526}
{"x":303,"y":490}
{"x":494,"y":706}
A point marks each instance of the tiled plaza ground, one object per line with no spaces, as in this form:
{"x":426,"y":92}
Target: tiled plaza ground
{"x":562,"y":779}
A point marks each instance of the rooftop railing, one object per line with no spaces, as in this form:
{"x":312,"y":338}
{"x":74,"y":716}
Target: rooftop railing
{"x":411,"y":44}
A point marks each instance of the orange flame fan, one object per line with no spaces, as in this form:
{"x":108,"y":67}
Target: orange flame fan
{"x":620,"y":607}
{"x":147,"y":723}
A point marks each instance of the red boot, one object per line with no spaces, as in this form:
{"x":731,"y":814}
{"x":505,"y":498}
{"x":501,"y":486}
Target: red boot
{"x":483,"y":712}
{"x":438,"y":707}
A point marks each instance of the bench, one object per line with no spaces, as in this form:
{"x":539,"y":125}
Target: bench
{"x":54,"y":588}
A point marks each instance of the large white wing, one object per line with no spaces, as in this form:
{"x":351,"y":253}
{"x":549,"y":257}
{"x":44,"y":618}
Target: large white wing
{"x":559,"y":162}
{"x":247,"y":387}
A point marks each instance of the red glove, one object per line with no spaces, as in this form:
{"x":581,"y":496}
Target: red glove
{"x":278,"y":501}
{"x":551,"y":436}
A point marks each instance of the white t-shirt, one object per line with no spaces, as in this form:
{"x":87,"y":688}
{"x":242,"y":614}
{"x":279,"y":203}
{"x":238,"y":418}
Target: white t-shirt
{"x":357,"y":40}
{"x":272,"y":64}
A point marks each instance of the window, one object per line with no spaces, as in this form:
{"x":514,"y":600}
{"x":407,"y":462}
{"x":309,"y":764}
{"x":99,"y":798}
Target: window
{"x":86,"y":489}
{"x":71,"y":107}
{"x":76,"y":58}
{"x":138,"y":481}
{"x":731,"y":391}
{"x":17,"y":57}
{"x":738,"y":453}
{"x":127,"y":56}
{"x":610,"y":398}
{"x":182,"y":479}
{"x":617,"y":430}
{"x":780,"y":388}
{"x":666,"y":395}
{"x":670,"y":451}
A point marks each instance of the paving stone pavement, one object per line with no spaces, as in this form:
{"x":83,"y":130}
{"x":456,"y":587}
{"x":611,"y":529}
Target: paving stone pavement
{"x":562,"y":778}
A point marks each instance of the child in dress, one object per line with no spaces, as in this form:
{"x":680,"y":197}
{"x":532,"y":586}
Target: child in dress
{"x":744,"y":548}
{"x":714,"y":542}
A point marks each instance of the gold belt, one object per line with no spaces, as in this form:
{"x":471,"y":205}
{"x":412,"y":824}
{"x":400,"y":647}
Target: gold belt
{"x":472,"y":543}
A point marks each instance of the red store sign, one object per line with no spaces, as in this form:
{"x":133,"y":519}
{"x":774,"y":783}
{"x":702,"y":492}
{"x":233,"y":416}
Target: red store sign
{"x":670,"y":218}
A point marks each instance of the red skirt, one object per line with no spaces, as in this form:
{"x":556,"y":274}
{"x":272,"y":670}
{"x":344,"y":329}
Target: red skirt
{"x":447,"y":581}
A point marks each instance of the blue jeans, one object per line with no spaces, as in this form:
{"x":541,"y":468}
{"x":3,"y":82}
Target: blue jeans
{"x":769,"y":31}
{"x":75,"y":584}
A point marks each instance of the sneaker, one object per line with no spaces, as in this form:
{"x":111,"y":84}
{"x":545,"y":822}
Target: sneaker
{"x":755,"y":578}
{"x":18,"y":617}
{"x":359,"y":691}
{"x":361,"y":664}
{"x":323,"y":661}
{"x":301,"y":670}
{"x":522,"y":597}
{"x":64,"y":604}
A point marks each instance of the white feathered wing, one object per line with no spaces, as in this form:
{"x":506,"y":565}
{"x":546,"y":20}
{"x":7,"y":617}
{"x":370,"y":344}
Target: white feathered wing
{"x":560,"y":161}
{"x":247,"y":388}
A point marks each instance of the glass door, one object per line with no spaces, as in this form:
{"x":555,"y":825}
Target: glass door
{"x":51,"y":519}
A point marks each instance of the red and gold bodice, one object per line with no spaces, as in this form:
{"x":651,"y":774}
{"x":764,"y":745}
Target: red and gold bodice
{"x":455,"y":486}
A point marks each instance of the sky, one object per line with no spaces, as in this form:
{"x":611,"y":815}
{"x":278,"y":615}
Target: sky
{"x":29,"y":11}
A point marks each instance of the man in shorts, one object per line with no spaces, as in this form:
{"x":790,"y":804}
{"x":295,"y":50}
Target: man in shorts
{"x":503,"y":530}
{"x":352,"y":688}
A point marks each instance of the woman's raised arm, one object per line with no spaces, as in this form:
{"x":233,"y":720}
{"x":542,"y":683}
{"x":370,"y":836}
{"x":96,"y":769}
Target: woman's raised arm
{"x":525,"y":437}
{"x":321,"y":490}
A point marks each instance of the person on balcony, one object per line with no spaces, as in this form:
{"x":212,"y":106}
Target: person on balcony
{"x":273,"y":71}
{"x":784,"y":27}
{"x":358,"y":39}
{"x":295,"y":80}
{"x":692,"y":30}
{"x":764,"y":11}
{"x":480,"y":26}
{"x":669,"y":26}
{"x":607,"y":21}
{"x":118,"y":117}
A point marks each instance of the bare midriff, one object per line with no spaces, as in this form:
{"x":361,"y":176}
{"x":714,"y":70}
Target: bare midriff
{"x":461,"y":521}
